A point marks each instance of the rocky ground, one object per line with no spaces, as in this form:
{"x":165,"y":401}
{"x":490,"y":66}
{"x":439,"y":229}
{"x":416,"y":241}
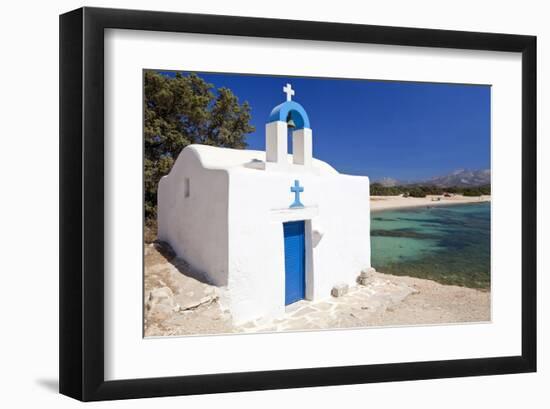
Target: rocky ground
{"x":179,"y":301}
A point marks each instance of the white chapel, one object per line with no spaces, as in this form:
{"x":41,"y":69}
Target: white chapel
{"x":268,"y":228}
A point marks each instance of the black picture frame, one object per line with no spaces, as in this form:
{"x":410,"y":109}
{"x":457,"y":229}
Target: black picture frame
{"x":81,"y":280}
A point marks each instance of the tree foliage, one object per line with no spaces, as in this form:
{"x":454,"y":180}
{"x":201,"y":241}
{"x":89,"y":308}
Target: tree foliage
{"x":182,"y":110}
{"x":417,"y":192}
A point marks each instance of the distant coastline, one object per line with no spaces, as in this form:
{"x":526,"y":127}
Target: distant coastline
{"x":380,"y":203}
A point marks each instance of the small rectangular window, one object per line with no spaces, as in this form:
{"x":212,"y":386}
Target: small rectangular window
{"x":187,"y":187}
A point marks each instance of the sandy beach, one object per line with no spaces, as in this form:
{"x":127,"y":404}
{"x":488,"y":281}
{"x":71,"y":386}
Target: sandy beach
{"x":378,"y":203}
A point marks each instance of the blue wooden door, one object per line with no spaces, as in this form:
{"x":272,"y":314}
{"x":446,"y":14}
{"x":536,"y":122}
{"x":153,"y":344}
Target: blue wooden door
{"x":294,"y":261}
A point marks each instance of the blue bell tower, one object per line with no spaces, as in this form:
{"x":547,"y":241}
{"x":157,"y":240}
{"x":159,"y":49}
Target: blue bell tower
{"x":289,"y":114}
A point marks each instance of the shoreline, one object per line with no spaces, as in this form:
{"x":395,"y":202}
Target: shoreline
{"x":380,"y":203}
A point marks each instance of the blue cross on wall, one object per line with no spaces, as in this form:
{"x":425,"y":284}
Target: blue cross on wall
{"x":296,"y":189}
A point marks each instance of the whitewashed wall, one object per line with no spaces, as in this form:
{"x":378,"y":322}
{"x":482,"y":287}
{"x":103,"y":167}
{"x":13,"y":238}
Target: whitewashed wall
{"x":195,"y":226}
{"x":231,"y":226}
{"x":338,"y":208}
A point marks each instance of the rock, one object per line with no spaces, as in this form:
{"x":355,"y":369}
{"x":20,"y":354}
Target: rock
{"x":366,"y":277}
{"x":366,"y":272}
{"x":339,"y":290}
{"x":193,"y":299}
{"x":160,"y":312}
{"x":163,"y":295}
{"x":160,"y":304}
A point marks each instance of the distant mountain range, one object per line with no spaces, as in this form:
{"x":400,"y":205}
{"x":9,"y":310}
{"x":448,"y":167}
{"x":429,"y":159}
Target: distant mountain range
{"x":390,"y":182}
{"x":463,"y":178}
{"x":458,"y":178}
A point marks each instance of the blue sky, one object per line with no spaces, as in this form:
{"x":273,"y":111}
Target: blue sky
{"x":403,"y":130}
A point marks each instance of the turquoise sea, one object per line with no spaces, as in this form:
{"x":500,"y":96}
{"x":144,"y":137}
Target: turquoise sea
{"x":448,"y":244}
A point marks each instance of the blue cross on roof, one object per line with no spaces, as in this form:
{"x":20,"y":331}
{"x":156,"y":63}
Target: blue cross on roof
{"x":296,"y":189}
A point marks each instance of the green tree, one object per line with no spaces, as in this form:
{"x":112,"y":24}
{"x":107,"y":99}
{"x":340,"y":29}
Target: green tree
{"x":417,"y":192}
{"x":182,"y":110}
{"x":472,"y":191}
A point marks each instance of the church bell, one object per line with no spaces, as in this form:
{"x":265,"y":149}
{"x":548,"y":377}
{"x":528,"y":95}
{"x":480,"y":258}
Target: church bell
{"x":290,"y":123}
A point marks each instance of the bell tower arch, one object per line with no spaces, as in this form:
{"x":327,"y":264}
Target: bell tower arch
{"x":289,"y":115}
